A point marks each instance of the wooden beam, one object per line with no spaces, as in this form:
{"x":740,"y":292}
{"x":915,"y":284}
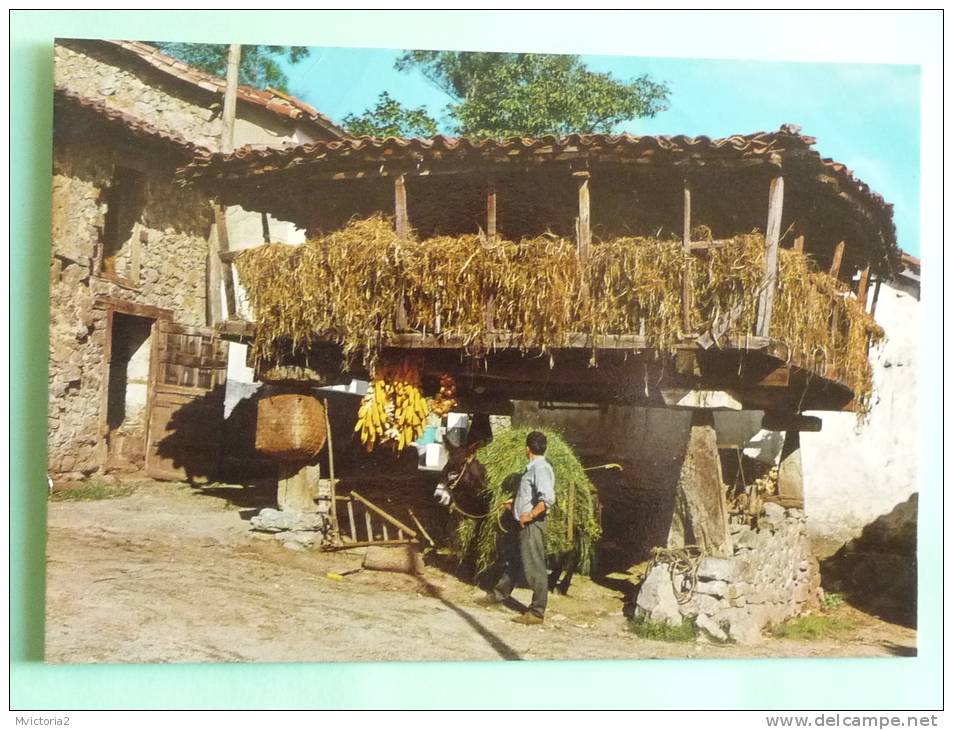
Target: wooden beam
{"x":790,"y":422}
{"x":799,"y":244}
{"x":772,"y":235}
{"x":491,"y":207}
{"x":838,"y":257}
{"x":687,"y":247}
{"x":862,"y":286}
{"x":583,"y":229}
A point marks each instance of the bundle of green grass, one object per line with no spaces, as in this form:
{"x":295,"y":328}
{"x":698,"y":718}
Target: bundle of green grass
{"x":571,"y":525}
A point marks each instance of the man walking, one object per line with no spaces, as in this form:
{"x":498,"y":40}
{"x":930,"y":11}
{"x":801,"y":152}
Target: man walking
{"x":525,"y":549}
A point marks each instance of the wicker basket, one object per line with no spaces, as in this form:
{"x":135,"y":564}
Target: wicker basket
{"x":291,"y":427}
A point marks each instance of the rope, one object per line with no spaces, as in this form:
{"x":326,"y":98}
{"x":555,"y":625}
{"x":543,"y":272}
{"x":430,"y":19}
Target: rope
{"x":683,"y":566}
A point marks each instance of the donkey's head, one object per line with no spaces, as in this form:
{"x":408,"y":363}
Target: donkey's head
{"x":463,"y":477}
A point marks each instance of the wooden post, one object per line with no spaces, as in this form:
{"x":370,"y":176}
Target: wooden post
{"x":491,"y":236}
{"x":862,"y":286}
{"x":265,"y":228}
{"x":838,"y":257}
{"x":873,"y":304}
{"x":491,"y":208}
{"x":401,"y":219}
{"x":335,"y":528}
{"x":350,"y":519}
{"x":213,"y":279}
{"x":225,"y":271}
{"x":772,"y":235}
{"x":227,"y":142}
{"x":583,"y":231}
{"x":687,"y":248}
{"x":799,"y":244}
{"x":402,"y":224}
{"x":790,"y":474}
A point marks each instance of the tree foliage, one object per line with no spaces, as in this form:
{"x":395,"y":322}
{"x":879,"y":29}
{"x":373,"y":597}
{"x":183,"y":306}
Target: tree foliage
{"x":505,"y":94}
{"x":259,"y":67}
{"x":389,"y":118}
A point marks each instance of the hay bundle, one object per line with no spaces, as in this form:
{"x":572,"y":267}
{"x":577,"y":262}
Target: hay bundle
{"x":347,"y":287}
{"x":505,"y":461}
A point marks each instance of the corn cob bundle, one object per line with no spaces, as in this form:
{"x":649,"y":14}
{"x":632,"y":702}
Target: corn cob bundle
{"x":393,"y":410}
{"x":446,"y":398}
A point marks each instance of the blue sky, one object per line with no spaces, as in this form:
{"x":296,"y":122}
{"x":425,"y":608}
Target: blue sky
{"x":863,"y":115}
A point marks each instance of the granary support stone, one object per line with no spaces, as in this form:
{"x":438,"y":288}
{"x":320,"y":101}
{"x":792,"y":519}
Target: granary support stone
{"x":701,"y":512}
{"x":298,"y":487}
{"x":790,"y":473}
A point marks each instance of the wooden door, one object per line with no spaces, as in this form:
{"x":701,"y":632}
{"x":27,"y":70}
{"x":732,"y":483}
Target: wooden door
{"x":187,"y":403}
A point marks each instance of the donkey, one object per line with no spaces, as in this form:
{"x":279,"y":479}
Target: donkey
{"x":461,"y":489}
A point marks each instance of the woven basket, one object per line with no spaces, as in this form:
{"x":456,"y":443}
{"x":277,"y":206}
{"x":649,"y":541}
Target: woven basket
{"x":291,"y":427}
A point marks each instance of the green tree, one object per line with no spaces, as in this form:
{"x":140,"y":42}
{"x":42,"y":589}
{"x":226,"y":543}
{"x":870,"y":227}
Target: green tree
{"x":259,"y":67}
{"x":391,"y":119}
{"x":504,"y":94}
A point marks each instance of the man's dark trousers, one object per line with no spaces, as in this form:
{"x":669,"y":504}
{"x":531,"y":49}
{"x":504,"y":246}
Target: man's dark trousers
{"x":525,"y":552}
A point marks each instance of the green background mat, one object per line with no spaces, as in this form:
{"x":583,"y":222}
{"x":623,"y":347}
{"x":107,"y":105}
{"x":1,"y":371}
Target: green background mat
{"x":887,"y":684}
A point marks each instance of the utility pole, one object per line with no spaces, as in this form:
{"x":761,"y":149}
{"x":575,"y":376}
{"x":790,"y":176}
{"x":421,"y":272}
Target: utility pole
{"x":218,"y":271}
{"x":227,"y":143}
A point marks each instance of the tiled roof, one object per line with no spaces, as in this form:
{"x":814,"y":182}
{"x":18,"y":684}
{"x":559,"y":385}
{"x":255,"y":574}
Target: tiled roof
{"x":274,"y":101}
{"x":134,"y":125}
{"x":783,"y":144}
{"x":250,"y":158}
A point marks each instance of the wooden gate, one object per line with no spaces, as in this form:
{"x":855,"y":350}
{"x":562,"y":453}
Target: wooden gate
{"x":186,"y":402}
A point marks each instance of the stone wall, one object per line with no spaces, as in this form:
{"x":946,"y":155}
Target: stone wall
{"x":173,"y":249}
{"x":771,"y":576}
{"x":96,"y":73}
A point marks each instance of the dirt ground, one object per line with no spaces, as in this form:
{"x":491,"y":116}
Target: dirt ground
{"x":172,"y":573}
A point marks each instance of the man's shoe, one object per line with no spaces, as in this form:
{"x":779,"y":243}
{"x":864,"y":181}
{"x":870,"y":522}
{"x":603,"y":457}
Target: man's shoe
{"x":529,"y":619}
{"x":488,"y":600}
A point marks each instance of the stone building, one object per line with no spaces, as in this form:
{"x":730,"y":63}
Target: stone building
{"x":136,"y":375}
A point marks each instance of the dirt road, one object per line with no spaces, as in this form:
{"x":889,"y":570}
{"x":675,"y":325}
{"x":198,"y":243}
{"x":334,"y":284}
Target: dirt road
{"x":171,"y":574}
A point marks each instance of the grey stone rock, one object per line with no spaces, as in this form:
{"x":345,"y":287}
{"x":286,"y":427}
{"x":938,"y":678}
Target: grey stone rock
{"x":752,"y":540}
{"x":716,"y":569}
{"x":273,"y":520}
{"x":702,"y":604}
{"x":657,"y":597}
{"x":745,"y":630}
{"x":706,"y":623}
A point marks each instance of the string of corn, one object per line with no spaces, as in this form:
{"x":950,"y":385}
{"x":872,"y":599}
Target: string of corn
{"x":393,"y":411}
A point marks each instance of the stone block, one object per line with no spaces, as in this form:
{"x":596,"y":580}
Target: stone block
{"x":273,"y":520}
{"x":716,"y":569}
{"x":656,"y":598}
{"x":706,"y":623}
{"x":717,"y":588}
